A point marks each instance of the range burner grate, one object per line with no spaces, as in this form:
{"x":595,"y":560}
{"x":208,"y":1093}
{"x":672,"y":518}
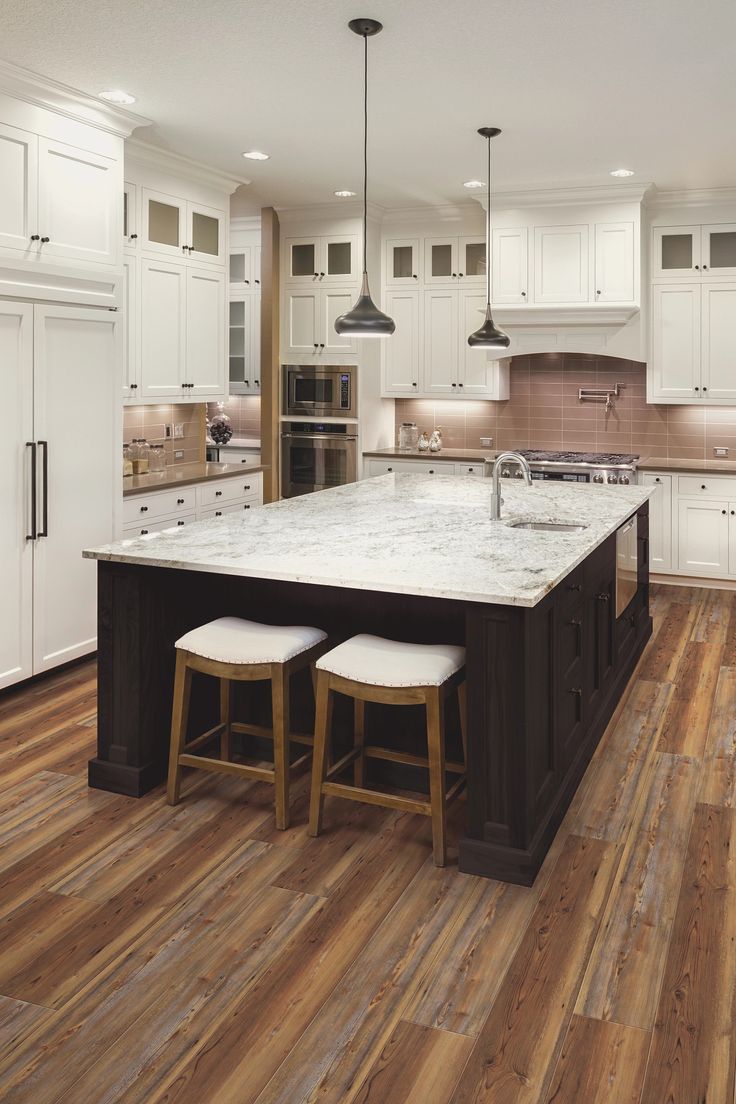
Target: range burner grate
{"x":598,"y":459}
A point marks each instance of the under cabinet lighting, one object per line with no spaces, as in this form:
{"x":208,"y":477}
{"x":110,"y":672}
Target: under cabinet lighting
{"x":117,"y":96}
{"x":622,"y":172}
{"x":473,"y":184}
{"x":256,"y":155}
{"x":344,"y":193}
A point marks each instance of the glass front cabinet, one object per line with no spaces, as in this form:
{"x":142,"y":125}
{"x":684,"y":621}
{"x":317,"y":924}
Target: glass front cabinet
{"x":178,"y":227}
{"x":322,"y":260}
{"x":687,"y":251}
{"x":244,"y":350}
{"x":455,"y":260}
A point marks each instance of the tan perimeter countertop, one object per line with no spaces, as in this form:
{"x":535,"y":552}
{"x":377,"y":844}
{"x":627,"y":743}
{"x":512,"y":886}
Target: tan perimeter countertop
{"x":714,"y":467}
{"x":183,"y":475}
{"x":459,"y":455}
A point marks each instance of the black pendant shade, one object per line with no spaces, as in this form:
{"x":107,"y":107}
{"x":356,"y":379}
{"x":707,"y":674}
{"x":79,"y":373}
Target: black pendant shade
{"x":489,"y":336}
{"x":365,"y":319}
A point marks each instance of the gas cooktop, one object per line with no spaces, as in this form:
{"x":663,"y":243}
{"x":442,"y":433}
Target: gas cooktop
{"x":594,"y":459}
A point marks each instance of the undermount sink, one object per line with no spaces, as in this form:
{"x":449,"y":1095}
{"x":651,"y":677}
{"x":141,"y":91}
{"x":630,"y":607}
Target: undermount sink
{"x":549,"y":526}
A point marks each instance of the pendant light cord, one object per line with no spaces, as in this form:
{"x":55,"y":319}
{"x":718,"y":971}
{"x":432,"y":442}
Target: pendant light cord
{"x":488,"y":231}
{"x":365,"y":154}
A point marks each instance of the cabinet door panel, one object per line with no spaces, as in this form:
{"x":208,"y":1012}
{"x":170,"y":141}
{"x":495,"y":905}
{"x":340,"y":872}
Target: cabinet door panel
{"x":77,"y":352}
{"x":206,"y":233}
{"x":130,"y":215}
{"x":163,"y":329}
{"x":478,"y":376}
{"x":332,"y":305}
{"x":255,"y":342}
{"x":719,"y":341}
{"x":614,"y":262}
{"x":440,"y":260}
{"x":402,"y":262}
{"x":719,"y":249}
{"x":16,"y":551}
{"x":339,"y":259}
{"x":131,"y":349}
{"x":205,"y":314}
{"x":18,"y":188}
{"x":440,"y":342}
{"x":401,"y":369}
{"x":703,"y":537}
{"x":79,"y":206}
{"x":164,"y":223}
{"x":301,"y":321}
{"x":561,"y":264}
{"x":471,"y":262}
{"x":676,"y":342}
{"x":660,"y":521}
{"x":676,"y":251}
{"x":510,"y":265}
{"x":302,"y":260}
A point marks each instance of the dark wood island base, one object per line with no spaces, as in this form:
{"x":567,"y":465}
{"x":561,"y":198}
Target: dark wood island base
{"x":542,"y":684}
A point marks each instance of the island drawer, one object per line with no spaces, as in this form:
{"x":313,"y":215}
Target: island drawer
{"x":149,"y":507}
{"x":228,"y":490}
{"x":720,"y":486}
{"x":226,"y":508}
{"x":470,"y":469}
{"x":142,"y":529}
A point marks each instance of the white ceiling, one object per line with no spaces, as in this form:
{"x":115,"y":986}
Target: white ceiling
{"x":578,"y":87}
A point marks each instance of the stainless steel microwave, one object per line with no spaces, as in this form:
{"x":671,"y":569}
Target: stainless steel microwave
{"x":325,"y":390}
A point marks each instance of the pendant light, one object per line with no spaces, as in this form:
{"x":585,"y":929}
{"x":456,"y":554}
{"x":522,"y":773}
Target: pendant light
{"x":365,"y":319}
{"x":489,"y":336}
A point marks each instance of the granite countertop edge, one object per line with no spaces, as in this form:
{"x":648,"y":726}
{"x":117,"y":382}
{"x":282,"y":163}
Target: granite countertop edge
{"x":189,"y":475}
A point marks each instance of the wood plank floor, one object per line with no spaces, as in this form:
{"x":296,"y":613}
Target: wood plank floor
{"x":195,"y":954}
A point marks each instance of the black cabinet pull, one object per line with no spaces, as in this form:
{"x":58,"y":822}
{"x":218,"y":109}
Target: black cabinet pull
{"x":431,"y":471}
{"x":454,"y":275}
{"x":247,"y":506}
{"x":134,"y":387}
{"x":390,"y":469}
{"x":414,"y":276}
{"x":723,"y":511}
{"x":322,"y":345}
{"x":461,"y":274}
{"x":575,"y":622}
{"x":733,"y":512}
{"x":180,"y":523}
{"x":144,"y":532}
{"x":246,"y":281}
{"x":34,"y":530}
{"x":180,"y":502}
{"x":454,"y":385}
{"x":703,"y":487}
{"x":705,"y":389}
{"x":697,"y":388}
{"x":704,"y":267}
{"x":575,"y":586}
{"x":697,"y":267}
{"x":44,"y":240}
{"x":414,"y":385}
{"x":44,"y":530}
{"x":133,"y":237}
{"x":35,"y":237}
{"x":603,"y":597}
{"x":523,"y":294}
{"x":144,"y":509}
{"x":218,"y":513}
{"x":246,"y":487}
{"x":657,"y":479}
{"x":218,"y":494}
{"x":575,"y":690}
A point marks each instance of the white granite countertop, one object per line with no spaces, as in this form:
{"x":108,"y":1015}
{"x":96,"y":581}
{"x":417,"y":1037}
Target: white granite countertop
{"x":406,"y":534}
{"x":182,"y":475}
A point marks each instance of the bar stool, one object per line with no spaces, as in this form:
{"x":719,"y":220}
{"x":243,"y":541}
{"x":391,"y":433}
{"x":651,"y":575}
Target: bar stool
{"x":232,"y":649}
{"x":371,"y":669}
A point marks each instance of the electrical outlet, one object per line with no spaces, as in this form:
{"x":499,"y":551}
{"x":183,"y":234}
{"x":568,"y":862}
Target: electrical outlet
{"x":178,"y":429}
{"x":168,"y":430}
{"x":179,"y":454}
{"x":721,"y":452}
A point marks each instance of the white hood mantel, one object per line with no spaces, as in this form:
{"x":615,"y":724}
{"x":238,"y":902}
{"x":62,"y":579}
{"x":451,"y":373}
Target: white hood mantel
{"x":586,"y":328}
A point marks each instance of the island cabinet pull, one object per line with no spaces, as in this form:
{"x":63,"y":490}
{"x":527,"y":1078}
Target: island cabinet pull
{"x":180,"y":502}
{"x":604,"y":596}
{"x":218,"y":494}
{"x":575,"y":690}
{"x":246,"y":486}
{"x":144,"y":509}
{"x":575,"y":586}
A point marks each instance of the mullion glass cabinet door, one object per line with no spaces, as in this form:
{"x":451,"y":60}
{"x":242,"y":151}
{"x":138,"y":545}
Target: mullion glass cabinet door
{"x":239,"y":348}
{"x":205,"y":233}
{"x":440,"y":260}
{"x":338,"y":264}
{"x":164,"y":223}
{"x":677,"y":251}
{"x":472,"y":261}
{"x":719,"y":249}
{"x":302,"y":260}
{"x":402,"y":262}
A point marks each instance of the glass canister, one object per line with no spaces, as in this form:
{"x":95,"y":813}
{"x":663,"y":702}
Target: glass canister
{"x":157,"y":458}
{"x":127,"y":461}
{"x":140,"y":455}
{"x":408,"y":436}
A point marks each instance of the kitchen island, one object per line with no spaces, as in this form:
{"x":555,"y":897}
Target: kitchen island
{"x":415,"y":558}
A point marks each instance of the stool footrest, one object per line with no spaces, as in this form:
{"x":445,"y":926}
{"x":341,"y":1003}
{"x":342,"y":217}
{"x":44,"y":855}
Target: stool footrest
{"x":223,"y":766}
{"x":267,"y":733}
{"x":455,"y":789}
{"x":341,"y":764}
{"x":372,"y":752}
{"x":205,"y":737}
{"x":376,"y":797}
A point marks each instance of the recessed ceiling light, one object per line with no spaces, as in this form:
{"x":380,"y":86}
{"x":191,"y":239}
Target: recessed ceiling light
{"x":622,"y":172}
{"x":344,"y":192}
{"x":256,"y":155}
{"x":116,"y":96}
{"x":473,"y":184}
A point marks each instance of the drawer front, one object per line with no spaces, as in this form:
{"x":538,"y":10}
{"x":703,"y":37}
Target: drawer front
{"x":148,"y":507}
{"x":145,"y":527}
{"x":226,"y":508}
{"x":470,"y":469}
{"x":228,"y":490}
{"x":717,"y":486}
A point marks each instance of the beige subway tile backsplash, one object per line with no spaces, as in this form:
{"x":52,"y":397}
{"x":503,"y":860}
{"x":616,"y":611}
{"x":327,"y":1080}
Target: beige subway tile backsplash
{"x":151,"y":421}
{"x":545,"y":411}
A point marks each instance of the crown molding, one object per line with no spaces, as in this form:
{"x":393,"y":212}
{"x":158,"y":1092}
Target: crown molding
{"x":33,"y":88}
{"x":338,"y":208}
{"x":145,"y":154}
{"x":576,"y":195}
{"x":693,"y":197}
{"x":441,"y":211}
{"x":563,"y":316}
{"x":245,"y":222}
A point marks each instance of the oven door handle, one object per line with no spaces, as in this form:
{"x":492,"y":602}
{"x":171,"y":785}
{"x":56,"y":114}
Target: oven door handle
{"x":316,"y":437}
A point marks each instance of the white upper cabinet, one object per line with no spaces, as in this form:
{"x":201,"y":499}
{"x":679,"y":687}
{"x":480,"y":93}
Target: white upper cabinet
{"x":718,"y":247}
{"x":472,"y":261}
{"x":332,"y":304}
{"x":561,"y":264}
{"x":205,"y":333}
{"x":440,"y":260}
{"x":675,"y":368}
{"x":676,"y":252}
{"x":164,"y":223}
{"x":510,"y":265}
{"x":245,"y":268}
{"x":321,"y":260}
{"x":18,"y":188}
{"x":301,"y":321}
{"x":163,"y":329}
{"x":131,"y":351}
{"x":78,"y":204}
{"x":309,"y":323}
{"x":719,"y":341}
{"x":441,"y":310}
{"x":402,"y":262}
{"x":478,"y":377}
{"x":245,"y":345}
{"x":130,"y":216}
{"x":614,"y":262}
{"x":401,"y":367}
{"x":206,"y":233}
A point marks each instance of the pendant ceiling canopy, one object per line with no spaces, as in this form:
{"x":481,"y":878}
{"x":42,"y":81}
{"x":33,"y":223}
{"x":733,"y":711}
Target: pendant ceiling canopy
{"x":489,"y":336}
{"x":365,"y":319}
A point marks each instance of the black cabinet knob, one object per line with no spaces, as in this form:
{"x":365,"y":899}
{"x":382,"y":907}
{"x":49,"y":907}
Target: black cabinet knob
{"x":598,"y":292}
{"x":705,"y":389}
{"x":454,"y":385}
{"x":143,"y":532}
{"x":322,"y":345}
{"x":390,"y":469}
{"x":697,"y":267}
{"x":218,"y":513}
{"x":180,"y":502}
{"x":697,"y":388}
{"x":523,"y":294}
{"x":413,"y":384}
{"x":134,"y":387}
{"x":454,"y":275}
{"x":459,"y":385}
{"x":35,"y":237}
{"x":144,"y":509}
{"x":44,"y":240}
{"x":414,"y":276}
{"x":321,"y":275}
{"x":218,"y":494}
{"x":431,"y":471}
{"x":703,"y":487}
{"x":180,"y":523}
{"x":723,"y":511}
{"x":133,"y":237}
{"x":657,"y":479}
{"x":461,"y":274}
{"x":316,"y":345}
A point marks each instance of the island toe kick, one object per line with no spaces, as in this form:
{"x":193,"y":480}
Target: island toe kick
{"x":542,"y":684}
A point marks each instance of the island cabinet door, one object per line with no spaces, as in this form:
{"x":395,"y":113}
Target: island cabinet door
{"x":600,"y":626}
{"x":569,"y":682}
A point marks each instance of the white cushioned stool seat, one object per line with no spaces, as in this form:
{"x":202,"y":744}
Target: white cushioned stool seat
{"x":234,"y":640}
{"x":379,"y":662}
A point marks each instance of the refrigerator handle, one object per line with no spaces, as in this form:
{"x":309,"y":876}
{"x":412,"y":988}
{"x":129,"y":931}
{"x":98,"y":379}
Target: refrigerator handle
{"x":44,"y":531}
{"x":34,"y":531}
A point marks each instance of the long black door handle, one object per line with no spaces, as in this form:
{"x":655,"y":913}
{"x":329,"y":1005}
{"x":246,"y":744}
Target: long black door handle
{"x":34,"y":532}
{"x":44,"y":532}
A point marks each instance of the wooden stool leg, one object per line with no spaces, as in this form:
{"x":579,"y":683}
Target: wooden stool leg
{"x":225,"y":718}
{"x":322,"y":727}
{"x":462,"y":701}
{"x":280,"y":704}
{"x":436,"y":747}
{"x":359,"y":741}
{"x":179,"y":717}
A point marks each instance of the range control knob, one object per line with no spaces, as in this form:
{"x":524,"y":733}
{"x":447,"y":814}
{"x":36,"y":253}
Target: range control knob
{"x":612,"y":477}
{"x":598,"y":478}
{"x":518,"y":474}
{"x":505,"y":473}
{"x":624,"y":479}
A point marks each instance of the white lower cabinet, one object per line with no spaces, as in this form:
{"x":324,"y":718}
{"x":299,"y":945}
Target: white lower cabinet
{"x":154,"y":511}
{"x":373,"y":467}
{"x":56,"y":500}
{"x":660,"y":520}
{"x":703,"y":536}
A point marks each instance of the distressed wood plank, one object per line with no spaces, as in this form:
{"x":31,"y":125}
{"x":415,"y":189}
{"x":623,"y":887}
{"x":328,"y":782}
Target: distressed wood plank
{"x":665,"y":650}
{"x":17,"y":1021}
{"x":600,"y":1063}
{"x":693,"y":1054}
{"x":718,"y":784}
{"x":518,"y":1046}
{"x":685,"y":726}
{"x":418,"y":1065}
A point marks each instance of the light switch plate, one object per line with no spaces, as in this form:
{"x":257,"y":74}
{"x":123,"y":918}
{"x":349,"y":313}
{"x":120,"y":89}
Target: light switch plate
{"x":178,"y":429}
{"x":179,"y":454}
{"x":168,"y":430}
{"x":721,"y":452}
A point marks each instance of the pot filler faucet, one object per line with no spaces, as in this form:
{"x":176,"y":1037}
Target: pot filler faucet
{"x":493,"y":469}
